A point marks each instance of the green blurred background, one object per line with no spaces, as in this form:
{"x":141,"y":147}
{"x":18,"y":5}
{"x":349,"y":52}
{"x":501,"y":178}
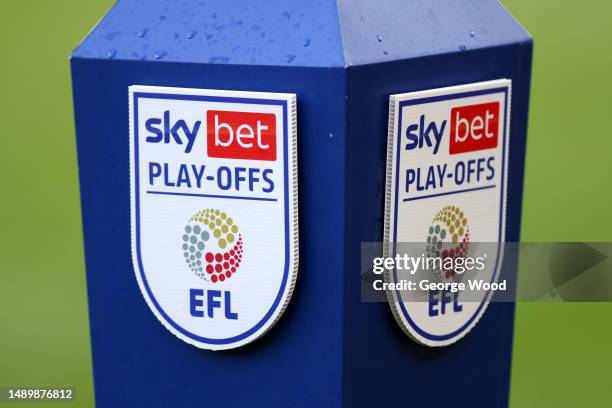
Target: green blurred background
{"x":561,"y":351}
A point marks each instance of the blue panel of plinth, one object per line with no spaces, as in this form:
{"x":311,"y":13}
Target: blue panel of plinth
{"x":342,"y":59}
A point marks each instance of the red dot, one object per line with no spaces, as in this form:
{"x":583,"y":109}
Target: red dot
{"x":237,"y":264}
{"x":231,"y":261}
{"x":209,"y":257}
{"x":232,"y":252}
{"x":228,"y":274}
{"x":218,"y":267}
{"x":213,"y":278}
{"x":221,"y":278}
{"x":218,"y":257}
{"x":233,"y":269}
{"x":226,"y":265}
{"x":226,"y":256}
{"x":209,"y":268}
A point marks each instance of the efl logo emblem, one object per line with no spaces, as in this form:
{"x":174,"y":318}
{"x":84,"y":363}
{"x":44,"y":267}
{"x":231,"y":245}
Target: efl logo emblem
{"x":214,"y":210}
{"x":446,"y":175}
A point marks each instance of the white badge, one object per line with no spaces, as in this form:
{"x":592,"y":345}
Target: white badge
{"x":446,"y":188}
{"x":214,"y":210}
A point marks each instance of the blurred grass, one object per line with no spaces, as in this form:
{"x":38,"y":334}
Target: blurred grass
{"x":44,"y":340}
{"x":560,"y":350}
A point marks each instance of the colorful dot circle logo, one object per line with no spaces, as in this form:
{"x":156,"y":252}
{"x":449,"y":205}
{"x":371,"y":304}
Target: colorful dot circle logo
{"x":212,"y":245}
{"x":448,"y":237}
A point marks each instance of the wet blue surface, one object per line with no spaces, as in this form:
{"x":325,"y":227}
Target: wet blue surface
{"x":271,"y":32}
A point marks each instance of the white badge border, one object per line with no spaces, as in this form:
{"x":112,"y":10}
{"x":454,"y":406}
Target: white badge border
{"x":288,"y":103}
{"x":395,"y":104}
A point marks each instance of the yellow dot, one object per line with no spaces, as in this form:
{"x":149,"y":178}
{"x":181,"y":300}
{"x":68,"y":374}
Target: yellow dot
{"x":455,"y":238}
{"x":461,"y":231}
{"x":222,"y":243}
{"x":217,"y":212}
{"x":223,"y":215}
{"x":457,"y":223}
{"x":224,"y":229}
{"x":464,"y":221}
{"x":217,"y":233}
{"x":218,"y":221}
{"x":230,"y":221}
{"x":234,"y":229}
{"x":211,"y":225}
{"x":212,"y":217}
{"x":452,"y":229}
{"x":230,"y":237}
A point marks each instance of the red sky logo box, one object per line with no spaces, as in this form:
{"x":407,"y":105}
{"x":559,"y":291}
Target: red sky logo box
{"x":241,"y":135}
{"x":474,"y":127}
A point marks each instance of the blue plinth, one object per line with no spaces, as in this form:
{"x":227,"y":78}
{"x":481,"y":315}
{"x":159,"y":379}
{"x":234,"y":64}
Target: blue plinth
{"x":342,"y":59}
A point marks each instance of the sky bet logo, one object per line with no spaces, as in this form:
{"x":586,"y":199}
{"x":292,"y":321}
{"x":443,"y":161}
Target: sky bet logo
{"x":448,"y":160}
{"x":472,"y":128}
{"x":230,"y":134}
{"x":214,"y":243}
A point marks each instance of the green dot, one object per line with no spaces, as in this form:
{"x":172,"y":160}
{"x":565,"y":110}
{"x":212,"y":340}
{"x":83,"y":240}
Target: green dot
{"x":205,"y":235}
{"x":201,"y":245}
{"x":222,"y":243}
{"x":193,"y":239}
{"x":185,"y":246}
{"x":192,"y":249}
{"x":185,"y":237}
{"x":187,"y":229}
{"x":197,"y":229}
